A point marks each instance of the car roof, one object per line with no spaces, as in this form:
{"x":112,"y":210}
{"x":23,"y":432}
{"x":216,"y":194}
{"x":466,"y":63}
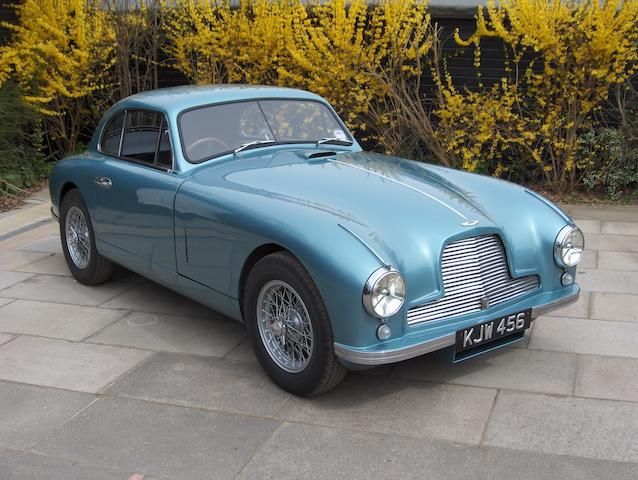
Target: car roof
{"x":176,"y":99}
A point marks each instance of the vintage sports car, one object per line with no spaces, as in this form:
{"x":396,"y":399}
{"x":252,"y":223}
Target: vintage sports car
{"x":259,"y":203}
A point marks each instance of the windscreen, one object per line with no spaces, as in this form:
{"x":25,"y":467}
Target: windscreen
{"x":215,"y":130}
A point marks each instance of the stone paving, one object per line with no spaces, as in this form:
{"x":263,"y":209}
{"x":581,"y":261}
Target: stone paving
{"x":129,"y":380}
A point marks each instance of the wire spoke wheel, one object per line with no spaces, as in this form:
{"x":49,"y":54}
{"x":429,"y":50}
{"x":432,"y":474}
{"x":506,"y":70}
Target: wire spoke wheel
{"x":77,"y":237}
{"x":284,"y":326}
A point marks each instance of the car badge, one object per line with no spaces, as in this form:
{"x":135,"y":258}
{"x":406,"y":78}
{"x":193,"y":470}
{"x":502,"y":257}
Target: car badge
{"x":470,"y":223}
{"x":485,"y":303}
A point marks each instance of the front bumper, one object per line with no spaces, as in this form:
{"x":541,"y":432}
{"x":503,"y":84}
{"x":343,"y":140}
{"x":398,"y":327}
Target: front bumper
{"x":360,"y":356}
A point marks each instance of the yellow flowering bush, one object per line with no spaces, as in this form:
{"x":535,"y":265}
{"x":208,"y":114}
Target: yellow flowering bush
{"x":60,"y":56}
{"x":579,"y":50}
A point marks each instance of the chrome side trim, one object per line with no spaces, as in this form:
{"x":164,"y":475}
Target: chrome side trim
{"x":548,"y":307}
{"x":54,"y":216}
{"x":382,"y":357}
{"x":390,"y":356}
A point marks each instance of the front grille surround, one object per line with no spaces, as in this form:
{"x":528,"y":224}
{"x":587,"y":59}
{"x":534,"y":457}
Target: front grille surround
{"x":473,"y":269}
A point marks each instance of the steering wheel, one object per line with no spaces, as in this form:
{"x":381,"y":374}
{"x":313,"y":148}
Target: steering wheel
{"x":208,"y":143}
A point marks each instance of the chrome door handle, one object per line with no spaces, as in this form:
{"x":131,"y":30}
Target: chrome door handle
{"x":103,"y":182}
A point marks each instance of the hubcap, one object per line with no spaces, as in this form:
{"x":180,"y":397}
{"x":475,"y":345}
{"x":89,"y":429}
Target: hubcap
{"x":284,"y":326}
{"x":77,"y":237}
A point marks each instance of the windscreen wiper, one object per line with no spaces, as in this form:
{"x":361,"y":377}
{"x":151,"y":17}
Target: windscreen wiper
{"x":335,"y":140}
{"x":254,"y":143}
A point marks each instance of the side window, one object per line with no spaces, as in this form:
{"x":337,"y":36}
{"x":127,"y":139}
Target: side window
{"x":110,"y":142}
{"x":141,"y":133}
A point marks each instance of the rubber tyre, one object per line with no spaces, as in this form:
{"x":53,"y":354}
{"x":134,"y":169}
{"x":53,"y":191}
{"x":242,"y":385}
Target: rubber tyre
{"x":324,"y":371}
{"x":99,"y":269}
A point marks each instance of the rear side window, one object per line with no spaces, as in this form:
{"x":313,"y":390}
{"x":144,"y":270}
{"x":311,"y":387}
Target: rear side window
{"x":141,"y":135}
{"x":110,"y":143}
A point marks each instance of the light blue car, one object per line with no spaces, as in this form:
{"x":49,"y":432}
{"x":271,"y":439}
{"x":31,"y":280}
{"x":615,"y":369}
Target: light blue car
{"x":258,"y":202}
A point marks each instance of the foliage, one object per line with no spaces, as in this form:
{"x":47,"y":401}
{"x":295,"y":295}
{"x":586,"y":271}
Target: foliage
{"x":608,"y":161}
{"x":60,"y":55}
{"x":137,"y":29}
{"x":579,"y":49}
{"x":541,"y":121}
{"x":21,"y":161}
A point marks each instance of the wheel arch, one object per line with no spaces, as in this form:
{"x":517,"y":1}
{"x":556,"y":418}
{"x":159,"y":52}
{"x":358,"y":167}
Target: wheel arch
{"x":252,"y":259}
{"x":64,"y":189}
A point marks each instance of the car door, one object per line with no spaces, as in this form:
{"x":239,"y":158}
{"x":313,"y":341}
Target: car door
{"x":135,"y":190}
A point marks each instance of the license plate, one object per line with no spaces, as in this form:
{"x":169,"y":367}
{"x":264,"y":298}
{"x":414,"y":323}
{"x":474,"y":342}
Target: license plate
{"x":492,"y":330}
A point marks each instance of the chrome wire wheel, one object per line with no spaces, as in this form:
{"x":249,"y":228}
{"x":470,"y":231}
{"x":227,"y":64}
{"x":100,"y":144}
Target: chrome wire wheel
{"x":284,"y":326}
{"x":78,"y":242}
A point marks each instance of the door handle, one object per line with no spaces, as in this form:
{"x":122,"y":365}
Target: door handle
{"x":103,"y":182}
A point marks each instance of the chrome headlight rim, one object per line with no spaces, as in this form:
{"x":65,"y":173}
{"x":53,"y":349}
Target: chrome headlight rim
{"x":561,"y":243}
{"x":373,"y":281}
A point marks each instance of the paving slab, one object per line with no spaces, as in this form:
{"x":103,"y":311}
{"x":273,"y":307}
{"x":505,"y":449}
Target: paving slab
{"x":28,"y":466}
{"x":305,"y":451}
{"x":613,"y":306}
{"x":607,"y":377}
{"x":53,"y":264}
{"x":576,"y":335}
{"x":584,"y":427}
{"x":29,"y":412}
{"x":201,"y":382}
{"x":48,"y":244}
{"x":616,"y":213}
{"x":620,"y":228}
{"x":619,"y":243}
{"x":611,"y":281}
{"x":589,"y":260}
{"x":514,"y":369}
{"x":62,"y":364}
{"x":153,"y":298}
{"x":579,"y":309}
{"x":608,"y":260}
{"x":508,"y":464}
{"x":215,"y":335}
{"x":588,"y":226}
{"x":163,"y":440}
{"x":55,"y":320}
{"x":12,"y":259}
{"x":382,"y":405}
{"x":8,"y":278}
{"x":56,"y":289}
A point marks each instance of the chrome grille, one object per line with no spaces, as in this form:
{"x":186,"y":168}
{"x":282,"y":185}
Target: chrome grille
{"x":473,"y":270}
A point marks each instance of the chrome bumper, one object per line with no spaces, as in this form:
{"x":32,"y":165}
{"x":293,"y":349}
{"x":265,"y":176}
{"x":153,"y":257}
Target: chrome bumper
{"x":381,"y":357}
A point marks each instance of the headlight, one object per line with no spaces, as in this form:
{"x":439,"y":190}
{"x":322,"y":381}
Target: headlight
{"x":384,"y":293}
{"x":569,"y":246}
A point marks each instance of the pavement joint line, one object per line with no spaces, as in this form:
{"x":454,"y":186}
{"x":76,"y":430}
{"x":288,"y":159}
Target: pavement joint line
{"x":55,"y":429}
{"x":66,"y":303}
{"x":259,"y":449}
{"x":125,"y":313}
{"x":17,"y":335}
{"x":489,"y":417}
{"x":590,"y":305}
{"x":25,"y":228}
{"x":130,"y":370}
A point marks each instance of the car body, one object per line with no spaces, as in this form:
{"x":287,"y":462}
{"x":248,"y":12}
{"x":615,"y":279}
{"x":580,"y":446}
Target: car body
{"x":198,"y":225}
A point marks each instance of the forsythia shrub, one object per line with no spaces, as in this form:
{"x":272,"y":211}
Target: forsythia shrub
{"x":580,"y":49}
{"x":60,"y":55}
